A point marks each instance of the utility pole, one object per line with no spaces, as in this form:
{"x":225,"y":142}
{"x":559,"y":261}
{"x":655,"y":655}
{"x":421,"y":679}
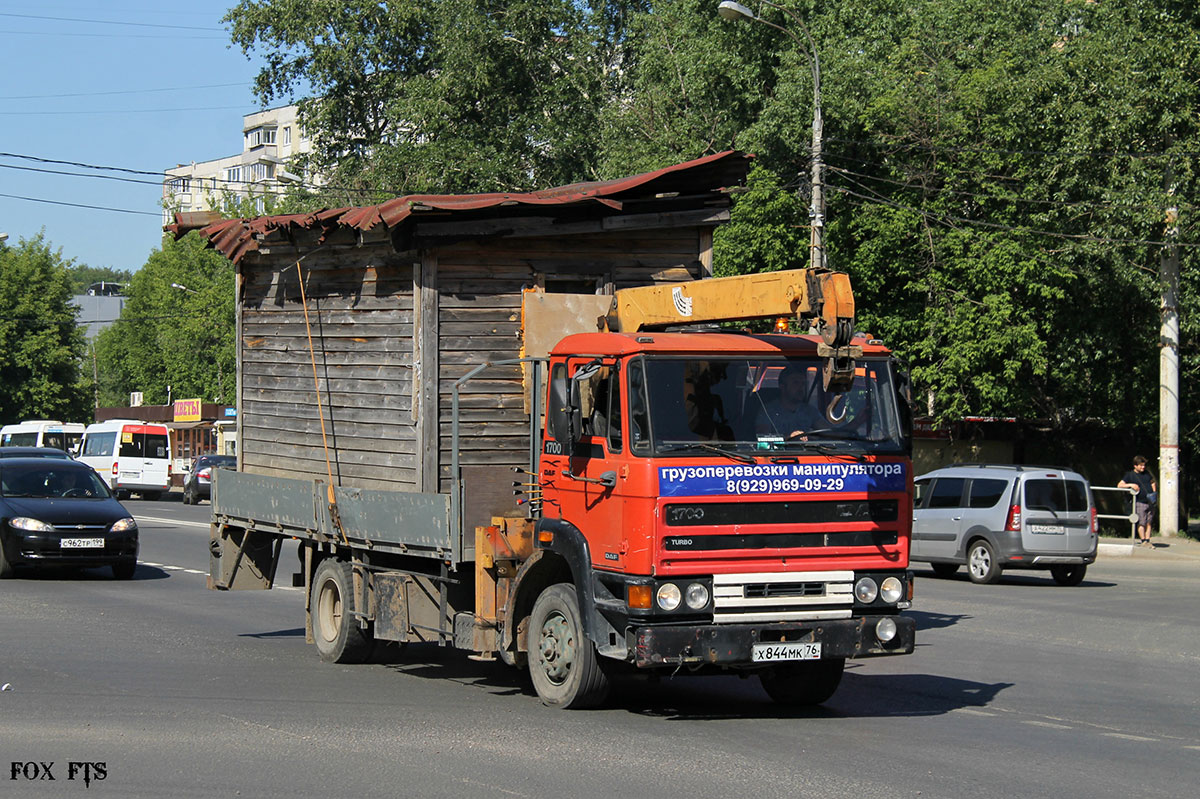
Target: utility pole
{"x":1168,"y":372}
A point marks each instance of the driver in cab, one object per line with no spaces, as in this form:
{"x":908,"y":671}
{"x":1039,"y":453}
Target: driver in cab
{"x":792,"y":414}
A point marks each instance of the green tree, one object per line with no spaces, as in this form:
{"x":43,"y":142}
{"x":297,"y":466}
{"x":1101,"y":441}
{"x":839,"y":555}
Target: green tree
{"x":175,"y":330}
{"x":40,"y":343}
{"x":441,"y":96}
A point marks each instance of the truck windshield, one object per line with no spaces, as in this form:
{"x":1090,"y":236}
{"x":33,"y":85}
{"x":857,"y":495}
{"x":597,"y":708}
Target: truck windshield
{"x":761,"y":405}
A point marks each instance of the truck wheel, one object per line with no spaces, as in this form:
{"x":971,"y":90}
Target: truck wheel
{"x":562,"y":660}
{"x":981,"y":563}
{"x":338,"y":637}
{"x":1068,"y":575}
{"x":944,"y":569}
{"x":803,"y":684}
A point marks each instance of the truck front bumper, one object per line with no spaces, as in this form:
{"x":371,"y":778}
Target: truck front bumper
{"x":732,"y":645}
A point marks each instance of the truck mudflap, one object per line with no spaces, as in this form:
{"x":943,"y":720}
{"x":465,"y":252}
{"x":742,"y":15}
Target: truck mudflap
{"x":732,"y":645}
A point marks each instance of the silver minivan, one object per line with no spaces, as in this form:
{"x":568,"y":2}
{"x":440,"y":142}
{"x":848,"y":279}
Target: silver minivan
{"x":996,"y":517}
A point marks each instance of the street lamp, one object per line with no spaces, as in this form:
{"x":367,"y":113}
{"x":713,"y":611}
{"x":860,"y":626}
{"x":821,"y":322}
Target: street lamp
{"x":731,"y":10}
{"x":217,"y":352}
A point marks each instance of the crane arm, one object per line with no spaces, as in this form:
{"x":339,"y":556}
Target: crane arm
{"x":814,"y":296}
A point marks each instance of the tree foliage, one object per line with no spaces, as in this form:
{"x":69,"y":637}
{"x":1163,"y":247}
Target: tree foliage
{"x":176,"y":332}
{"x":40,"y":344}
{"x":998,"y":170}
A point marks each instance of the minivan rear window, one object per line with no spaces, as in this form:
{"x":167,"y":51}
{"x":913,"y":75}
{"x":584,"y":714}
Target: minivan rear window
{"x":1056,"y":495}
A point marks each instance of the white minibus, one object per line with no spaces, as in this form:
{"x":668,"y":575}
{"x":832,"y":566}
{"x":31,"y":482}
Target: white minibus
{"x":131,"y":456}
{"x":42,"y":433}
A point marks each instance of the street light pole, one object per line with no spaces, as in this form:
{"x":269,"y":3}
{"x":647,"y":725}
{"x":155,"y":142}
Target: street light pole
{"x":731,"y":10}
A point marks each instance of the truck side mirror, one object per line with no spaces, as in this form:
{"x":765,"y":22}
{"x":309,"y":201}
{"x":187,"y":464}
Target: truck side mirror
{"x":567,"y":400}
{"x":562,"y":418}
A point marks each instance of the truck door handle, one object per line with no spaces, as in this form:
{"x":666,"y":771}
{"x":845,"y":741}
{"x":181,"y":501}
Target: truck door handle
{"x":958,"y":518}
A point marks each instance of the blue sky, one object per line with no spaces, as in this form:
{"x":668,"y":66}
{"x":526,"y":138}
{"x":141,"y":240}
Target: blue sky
{"x":132,"y":84}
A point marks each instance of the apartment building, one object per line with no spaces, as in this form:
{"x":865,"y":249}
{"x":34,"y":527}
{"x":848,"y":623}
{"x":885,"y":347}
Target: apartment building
{"x":270,"y":140}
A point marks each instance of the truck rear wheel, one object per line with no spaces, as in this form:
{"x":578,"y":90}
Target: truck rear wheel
{"x":563,"y":662}
{"x":336,"y":632}
{"x":803,"y":684}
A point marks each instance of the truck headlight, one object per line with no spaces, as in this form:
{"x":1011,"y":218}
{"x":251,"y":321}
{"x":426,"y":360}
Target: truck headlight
{"x":885,"y":629}
{"x":32,"y":525}
{"x":865,"y":590}
{"x":668,"y":596}
{"x":891,"y":590}
{"x":696,"y":596}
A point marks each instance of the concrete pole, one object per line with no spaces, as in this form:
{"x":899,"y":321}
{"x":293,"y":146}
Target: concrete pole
{"x":1168,"y":374}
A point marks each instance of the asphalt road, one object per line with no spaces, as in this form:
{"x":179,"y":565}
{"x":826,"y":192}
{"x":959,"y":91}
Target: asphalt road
{"x":1018,"y":689}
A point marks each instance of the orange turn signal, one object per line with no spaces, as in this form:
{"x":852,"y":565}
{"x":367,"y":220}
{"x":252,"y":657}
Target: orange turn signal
{"x":640,"y":596}
{"x":546,"y":536}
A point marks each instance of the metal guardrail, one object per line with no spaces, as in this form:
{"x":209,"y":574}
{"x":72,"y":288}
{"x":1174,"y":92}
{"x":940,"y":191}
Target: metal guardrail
{"x":1130,"y":517}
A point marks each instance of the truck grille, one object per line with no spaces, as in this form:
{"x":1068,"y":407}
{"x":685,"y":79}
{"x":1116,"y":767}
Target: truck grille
{"x":767,"y":597}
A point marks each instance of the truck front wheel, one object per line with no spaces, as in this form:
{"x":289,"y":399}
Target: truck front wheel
{"x":803,"y":684}
{"x":562,"y":660}
{"x":337,"y":634}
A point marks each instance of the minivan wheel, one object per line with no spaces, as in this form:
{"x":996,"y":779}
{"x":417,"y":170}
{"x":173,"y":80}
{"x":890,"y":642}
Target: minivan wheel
{"x":1068,"y":575}
{"x":944,"y":569}
{"x":982,"y":567}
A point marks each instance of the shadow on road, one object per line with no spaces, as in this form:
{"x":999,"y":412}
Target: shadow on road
{"x":935,"y":621}
{"x":99,"y":574}
{"x":698,"y":698}
{"x":292,"y":633}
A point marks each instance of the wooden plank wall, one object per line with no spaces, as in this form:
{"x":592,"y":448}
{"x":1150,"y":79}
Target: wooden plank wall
{"x":363,"y":317}
{"x":480,"y":316}
{"x":360,"y":304}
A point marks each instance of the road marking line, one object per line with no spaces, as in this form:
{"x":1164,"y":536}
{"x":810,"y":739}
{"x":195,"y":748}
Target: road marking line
{"x":194,"y":571}
{"x":1194,"y":748}
{"x":177,"y":522}
{"x":974,"y":712}
{"x":1047,"y":724}
{"x":1123,"y":736}
{"x":148,"y":563}
{"x":173,"y":568}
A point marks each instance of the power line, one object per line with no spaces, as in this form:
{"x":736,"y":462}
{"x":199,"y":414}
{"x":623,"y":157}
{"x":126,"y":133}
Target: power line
{"x":1002,"y":151}
{"x":79,"y":205}
{"x":112,"y":22}
{"x":125,"y":91}
{"x":949,"y":221}
{"x":120,"y":111}
{"x":992,"y":197}
{"x":157,"y":37}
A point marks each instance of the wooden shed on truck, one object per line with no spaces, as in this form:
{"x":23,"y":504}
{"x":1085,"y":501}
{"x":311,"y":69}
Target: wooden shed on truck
{"x":354,"y":325}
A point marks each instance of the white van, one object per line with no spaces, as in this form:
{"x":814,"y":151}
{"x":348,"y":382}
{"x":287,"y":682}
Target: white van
{"x":130,"y":456}
{"x":42,"y":433}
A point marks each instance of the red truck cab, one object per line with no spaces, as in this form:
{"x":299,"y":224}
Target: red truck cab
{"x":721,"y":509}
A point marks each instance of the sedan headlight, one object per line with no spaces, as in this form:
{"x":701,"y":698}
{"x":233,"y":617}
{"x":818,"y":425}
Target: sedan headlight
{"x":892,"y":590}
{"x":33,"y":525}
{"x":865,"y":590}
{"x":669,"y":596}
{"x":121,"y":525}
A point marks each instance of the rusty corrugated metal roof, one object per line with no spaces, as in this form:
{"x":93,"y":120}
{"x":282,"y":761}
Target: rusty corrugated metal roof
{"x":237,"y":237}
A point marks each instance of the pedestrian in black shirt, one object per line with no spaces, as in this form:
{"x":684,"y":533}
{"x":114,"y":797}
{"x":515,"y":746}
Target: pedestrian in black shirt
{"x":1146,"y":494}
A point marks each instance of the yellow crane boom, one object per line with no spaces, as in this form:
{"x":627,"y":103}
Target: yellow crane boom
{"x":813,"y":296}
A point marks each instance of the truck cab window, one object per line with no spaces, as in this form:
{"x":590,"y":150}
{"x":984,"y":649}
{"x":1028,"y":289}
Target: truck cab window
{"x":615,"y":442}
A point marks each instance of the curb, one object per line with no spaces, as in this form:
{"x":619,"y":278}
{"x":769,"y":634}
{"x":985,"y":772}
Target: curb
{"x":1117,"y":550}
